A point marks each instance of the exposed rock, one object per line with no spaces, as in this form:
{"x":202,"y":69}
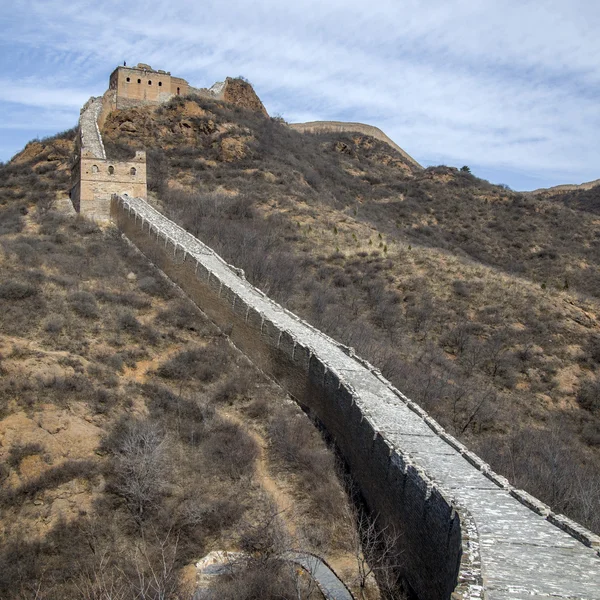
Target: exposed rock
{"x":231,"y":149}
{"x":128,"y":126}
{"x":242,"y":94}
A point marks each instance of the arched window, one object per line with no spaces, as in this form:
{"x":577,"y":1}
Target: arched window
{"x":132,"y":171}
{"x":178,"y":91}
{"x":149,"y":82}
{"x":128,"y":79}
{"x":160,"y":84}
{"x":139,"y":81}
{"x":111,"y":170}
{"x":94,"y":168}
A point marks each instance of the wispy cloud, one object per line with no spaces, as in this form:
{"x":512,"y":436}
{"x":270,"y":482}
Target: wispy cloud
{"x":509,"y":87}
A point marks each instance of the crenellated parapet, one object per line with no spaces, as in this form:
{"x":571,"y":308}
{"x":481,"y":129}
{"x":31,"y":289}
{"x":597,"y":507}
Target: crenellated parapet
{"x":466,"y":533}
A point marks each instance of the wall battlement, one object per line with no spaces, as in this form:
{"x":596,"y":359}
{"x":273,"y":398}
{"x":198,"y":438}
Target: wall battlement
{"x":94,"y":178}
{"x":466,"y":532}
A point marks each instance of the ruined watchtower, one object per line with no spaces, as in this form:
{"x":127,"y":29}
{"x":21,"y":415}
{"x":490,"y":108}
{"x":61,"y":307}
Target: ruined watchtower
{"x":144,"y":85}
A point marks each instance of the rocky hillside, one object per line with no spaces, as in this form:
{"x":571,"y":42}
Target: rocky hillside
{"x":479,"y":302}
{"x":585,"y":197}
{"x":134,"y":439}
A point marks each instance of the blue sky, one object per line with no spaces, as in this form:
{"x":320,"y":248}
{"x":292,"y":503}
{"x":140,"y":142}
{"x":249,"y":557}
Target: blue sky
{"x":508,"y":87}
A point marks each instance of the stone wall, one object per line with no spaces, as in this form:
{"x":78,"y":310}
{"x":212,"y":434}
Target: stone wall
{"x":465,"y":531}
{"x":142,"y":85}
{"x":341,"y":127}
{"x":94,"y":178}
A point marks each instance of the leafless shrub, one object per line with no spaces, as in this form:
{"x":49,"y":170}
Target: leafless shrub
{"x":230,"y":450}
{"x":18,"y":452}
{"x":204,"y":363}
{"x":156,"y":286}
{"x":54,"y":323}
{"x":139,"y":465}
{"x":183,"y":315}
{"x":377,"y":554}
{"x":84,"y":304}
{"x":51,"y":478}
{"x":127,"y":321}
{"x":17,"y":290}
{"x":123,"y":299}
{"x":588,"y":395}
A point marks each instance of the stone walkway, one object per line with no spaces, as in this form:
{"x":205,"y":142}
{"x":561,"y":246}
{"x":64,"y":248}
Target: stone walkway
{"x":91,"y":140}
{"x":329,"y":583}
{"x":523,"y":554}
{"x":332,"y":588}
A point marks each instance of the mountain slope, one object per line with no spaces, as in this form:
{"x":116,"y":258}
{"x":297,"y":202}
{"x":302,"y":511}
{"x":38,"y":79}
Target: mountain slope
{"x":133,"y":437}
{"x":480,"y":303}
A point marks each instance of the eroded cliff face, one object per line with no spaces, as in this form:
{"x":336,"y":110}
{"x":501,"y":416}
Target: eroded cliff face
{"x":240,"y":93}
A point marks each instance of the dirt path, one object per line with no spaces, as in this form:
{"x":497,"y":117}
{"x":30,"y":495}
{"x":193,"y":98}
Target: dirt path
{"x":282,"y":499}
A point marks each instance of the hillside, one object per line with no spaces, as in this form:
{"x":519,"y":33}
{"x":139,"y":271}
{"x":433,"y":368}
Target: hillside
{"x":478,"y":302}
{"x":134,"y":438}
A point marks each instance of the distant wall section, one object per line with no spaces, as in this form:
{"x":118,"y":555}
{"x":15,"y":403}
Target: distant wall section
{"x":143,"y":85}
{"x":341,"y":127}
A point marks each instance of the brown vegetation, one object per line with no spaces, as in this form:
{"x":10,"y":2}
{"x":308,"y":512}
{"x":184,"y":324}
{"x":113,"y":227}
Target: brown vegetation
{"x":128,"y":423}
{"x":478,"y":302}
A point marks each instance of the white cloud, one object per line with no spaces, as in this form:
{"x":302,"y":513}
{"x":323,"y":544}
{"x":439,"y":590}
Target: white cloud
{"x":501,"y":84}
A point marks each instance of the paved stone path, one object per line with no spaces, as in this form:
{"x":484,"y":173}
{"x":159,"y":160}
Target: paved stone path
{"x":91,"y":140}
{"x":523,"y":554}
{"x":329,"y":583}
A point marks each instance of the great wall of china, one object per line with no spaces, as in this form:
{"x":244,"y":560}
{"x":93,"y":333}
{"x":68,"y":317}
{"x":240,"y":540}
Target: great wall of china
{"x":466,"y":532}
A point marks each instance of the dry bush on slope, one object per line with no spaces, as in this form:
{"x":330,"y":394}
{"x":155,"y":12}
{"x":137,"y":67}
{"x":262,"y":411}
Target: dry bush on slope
{"x":474,"y":353}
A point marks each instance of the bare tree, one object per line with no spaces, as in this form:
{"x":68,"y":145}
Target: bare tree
{"x":155,"y":567}
{"x":140,"y":465}
{"x":377,"y":554}
{"x":102,"y":582}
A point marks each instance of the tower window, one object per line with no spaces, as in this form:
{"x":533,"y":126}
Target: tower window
{"x":94,"y":168}
{"x":132,"y":171}
{"x":178,"y":91}
{"x":149,"y":82}
{"x":111,"y":170}
{"x":128,"y":79}
{"x":160,"y":84}
{"x":139,"y":81}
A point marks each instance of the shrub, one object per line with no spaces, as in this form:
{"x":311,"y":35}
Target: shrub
{"x":588,"y":395}
{"x":127,"y":321}
{"x":204,"y":364}
{"x":183,"y":315}
{"x":54,"y":324}
{"x":139,"y":464}
{"x":84,"y":304}
{"x":52,"y":478}
{"x":154,"y":286}
{"x":17,"y":290}
{"x":128,"y":299}
{"x":18,"y":452}
{"x":230,"y":450}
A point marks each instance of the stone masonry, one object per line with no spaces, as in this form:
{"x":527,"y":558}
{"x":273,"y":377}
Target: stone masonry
{"x":342,"y":127}
{"x":94,"y":178}
{"x":466,"y":532}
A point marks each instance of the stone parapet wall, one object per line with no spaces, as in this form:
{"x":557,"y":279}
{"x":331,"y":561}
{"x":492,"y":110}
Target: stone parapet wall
{"x":90,"y":138}
{"x":94,"y":178}
{"x":465,"y":531}
{"x":341,"y":127}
